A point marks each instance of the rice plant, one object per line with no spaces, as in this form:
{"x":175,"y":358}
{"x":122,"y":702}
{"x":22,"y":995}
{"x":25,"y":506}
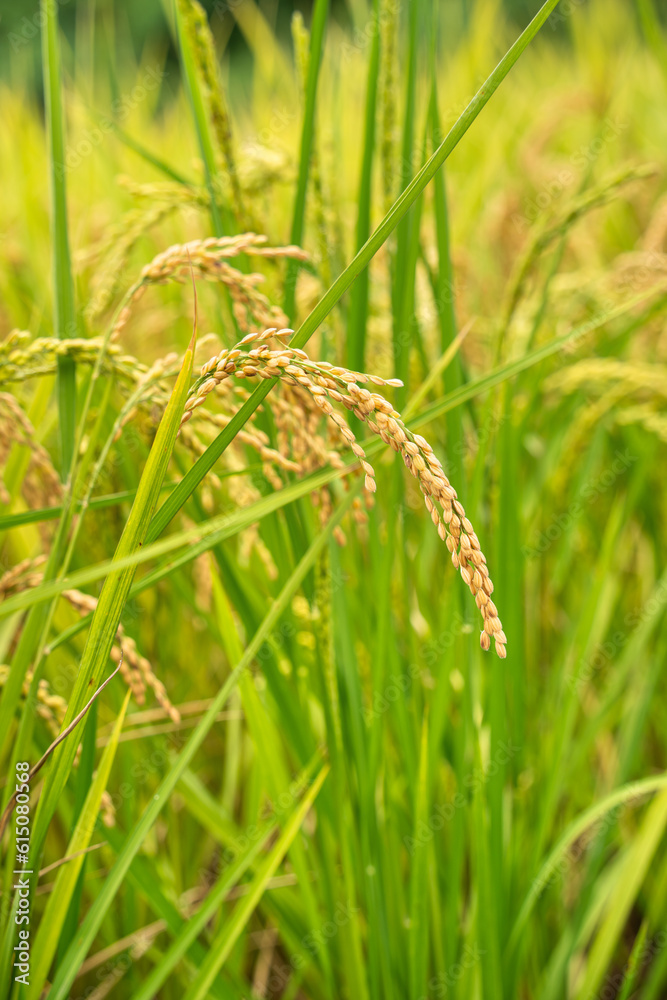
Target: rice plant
{"x":272,"y":301}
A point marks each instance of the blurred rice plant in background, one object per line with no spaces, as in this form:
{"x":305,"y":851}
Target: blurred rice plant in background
{"x":369,"y":807}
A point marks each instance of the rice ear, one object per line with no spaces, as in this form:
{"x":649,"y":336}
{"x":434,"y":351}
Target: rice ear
{"x":328,"y":385}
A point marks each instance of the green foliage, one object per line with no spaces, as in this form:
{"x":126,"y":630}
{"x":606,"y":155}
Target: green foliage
{"x":321,"y":787}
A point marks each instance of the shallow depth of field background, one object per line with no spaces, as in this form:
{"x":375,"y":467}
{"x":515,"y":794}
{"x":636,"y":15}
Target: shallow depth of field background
{"x":420,"y":871}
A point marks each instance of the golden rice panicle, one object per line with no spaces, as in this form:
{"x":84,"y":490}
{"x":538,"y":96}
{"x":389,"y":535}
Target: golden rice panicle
{"x":329,"y":384}
{"x":135,"y":669}
{"x":49,"y":706}
{"x":22,"y":576}
{"x":107,"y":809}
{"x":208,"y":259}
{"x":41,"y":485}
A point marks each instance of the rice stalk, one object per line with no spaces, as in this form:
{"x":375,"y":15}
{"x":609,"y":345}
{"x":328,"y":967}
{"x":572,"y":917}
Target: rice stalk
{"x":188,"y":47}
{"x":203,"y":49}
{"x":308,"y":136}
{"x":389,"y":12}
{"x":65,"y":322}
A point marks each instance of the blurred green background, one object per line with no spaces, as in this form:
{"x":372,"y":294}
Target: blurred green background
{"x":144,"y":25}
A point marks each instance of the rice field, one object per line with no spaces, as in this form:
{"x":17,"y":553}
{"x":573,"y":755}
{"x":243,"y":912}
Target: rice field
{"x":332,"y":501}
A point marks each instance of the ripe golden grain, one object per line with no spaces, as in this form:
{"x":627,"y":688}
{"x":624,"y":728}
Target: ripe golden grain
{"x":324,"y":382}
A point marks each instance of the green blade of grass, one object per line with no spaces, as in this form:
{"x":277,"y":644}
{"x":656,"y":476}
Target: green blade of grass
{"x":183,"y":16}
{"x":193,"y":927}
{"x":229,"y":933}
{"x":403,"y":271}
{"x":114,"y":594}
{"x":51,"y":923}
{"x":7,"y":952}
{"x":63,"y":286}
{"x":633,"y":967}
{"x":630,"y":878}
{"x":339,"y":818}
{"x":357,"y":318}
{"x":207,"y":460}
{"x":320,"y":13}
{"x":93,"y":920}
{"x":444,"y":285}
{"x":654,"y":984}
{"x":646,"y":786}
{"x":84,"y":779}
{"x":653,"y":30}
{"x":419,"y":938}
{"x":486,"y":888}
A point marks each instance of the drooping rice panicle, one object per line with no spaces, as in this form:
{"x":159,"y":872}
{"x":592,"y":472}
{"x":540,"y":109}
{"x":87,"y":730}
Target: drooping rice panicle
{"x":208,"y":259}
{"x":135,"y":668}
{"x":41,"y":486}
{"x":330,"y":384}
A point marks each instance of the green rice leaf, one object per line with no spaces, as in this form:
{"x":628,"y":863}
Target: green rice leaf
{"x":53,"y":919}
